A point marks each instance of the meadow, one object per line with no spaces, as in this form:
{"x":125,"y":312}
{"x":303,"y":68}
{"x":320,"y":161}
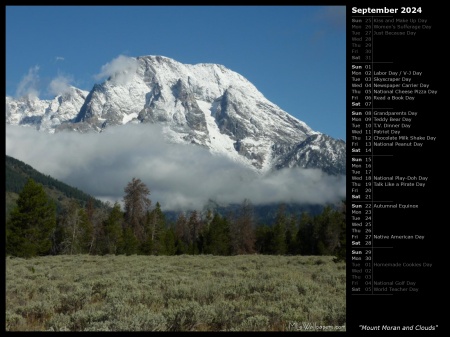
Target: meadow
{"x":175,"y":293}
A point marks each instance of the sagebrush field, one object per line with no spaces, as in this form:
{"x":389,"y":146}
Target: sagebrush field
{"x":175,"y":293}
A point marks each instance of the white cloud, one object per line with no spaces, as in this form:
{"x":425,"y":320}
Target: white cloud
{"x":121,"y":69}
{"x":59,"y":58}
{"x":60,"y":85}
{"x":178,"y":176}
{"x":28,"y":86}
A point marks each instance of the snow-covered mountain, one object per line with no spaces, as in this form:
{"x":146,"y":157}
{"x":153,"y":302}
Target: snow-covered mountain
{"x":45,"y":114}
{"x":204,"y":104}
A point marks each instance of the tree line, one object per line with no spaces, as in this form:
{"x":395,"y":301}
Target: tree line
{"x":35,"y":229}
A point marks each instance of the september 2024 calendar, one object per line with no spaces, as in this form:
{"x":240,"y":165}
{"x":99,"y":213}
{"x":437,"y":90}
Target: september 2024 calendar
{"x":394,"y":104}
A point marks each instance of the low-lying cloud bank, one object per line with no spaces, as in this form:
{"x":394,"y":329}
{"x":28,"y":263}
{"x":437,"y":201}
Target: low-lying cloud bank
{"x":178,"y":176}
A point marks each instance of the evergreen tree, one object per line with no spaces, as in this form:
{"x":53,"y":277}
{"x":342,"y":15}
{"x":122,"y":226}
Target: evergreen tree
{"x":155,"y":232}
{"x":217,"y":237}
{"x":170,"y":242}
{"x":327,"y":230}
{"x":129,"y":244}
{"x":114,"y":230}
{"x":31,"y":223}
{"x":291,"y":233}
{"x":279,"y":232}
{"x":182,"y":235}
{"x":264,"y":239}
{"x":305,"y":239}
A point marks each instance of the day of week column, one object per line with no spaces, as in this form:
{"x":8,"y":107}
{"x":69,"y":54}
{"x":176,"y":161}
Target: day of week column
{"x":361,"y":156}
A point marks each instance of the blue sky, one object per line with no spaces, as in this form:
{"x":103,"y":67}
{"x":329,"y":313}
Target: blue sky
{"x":294,"y":55}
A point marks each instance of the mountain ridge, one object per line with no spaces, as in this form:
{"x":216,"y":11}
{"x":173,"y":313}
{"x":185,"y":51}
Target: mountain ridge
{"x":205,"y":104}
{"x":17,"y":172}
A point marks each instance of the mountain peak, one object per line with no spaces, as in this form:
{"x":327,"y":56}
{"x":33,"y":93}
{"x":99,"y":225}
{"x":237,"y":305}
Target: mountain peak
{"x":205,"y":104}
